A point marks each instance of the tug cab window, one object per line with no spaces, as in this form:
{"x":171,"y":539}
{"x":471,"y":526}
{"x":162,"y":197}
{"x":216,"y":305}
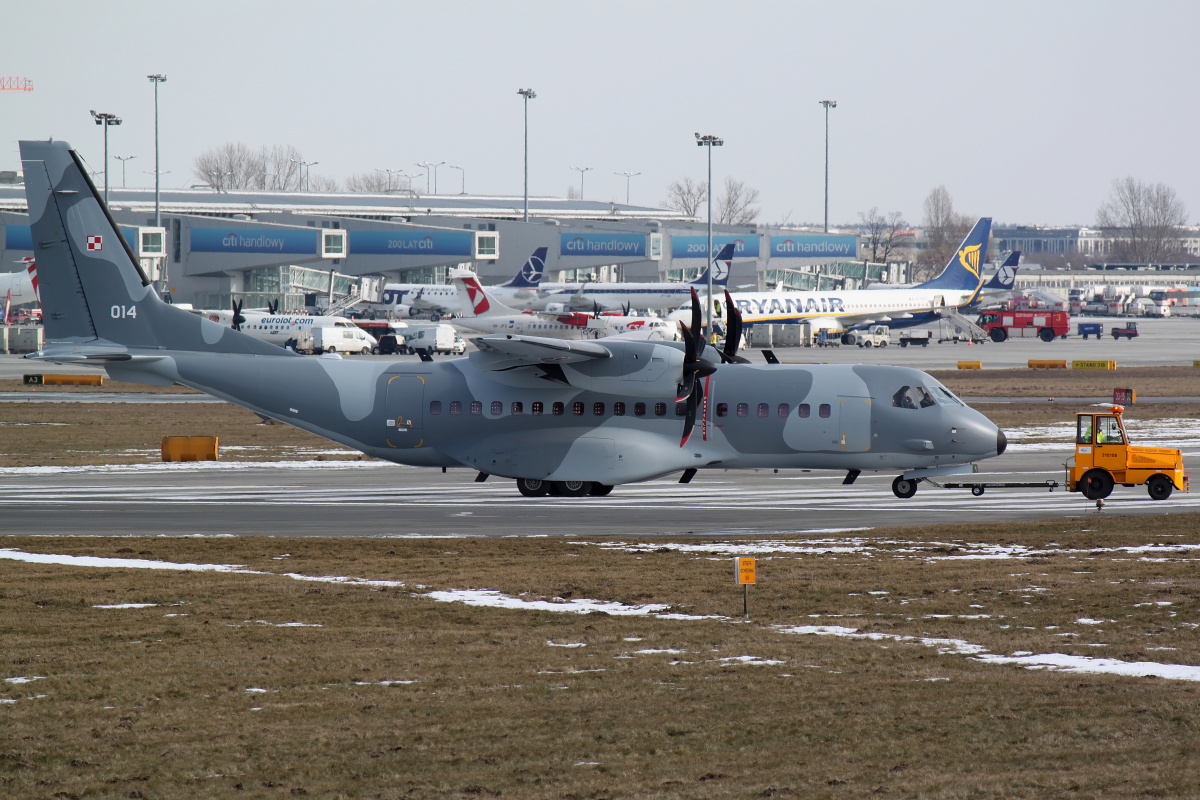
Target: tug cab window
{"x":1085,"y":430}
{"x":1108,"y":431}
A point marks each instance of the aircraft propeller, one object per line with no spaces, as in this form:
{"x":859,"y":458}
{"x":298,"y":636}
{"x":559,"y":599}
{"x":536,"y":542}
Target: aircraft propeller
{"x":273,"y":306}
{"x":238,"y":319}
{"x":733,"y":333}
{"x":625,"y":308}
{"x":693,"y":367}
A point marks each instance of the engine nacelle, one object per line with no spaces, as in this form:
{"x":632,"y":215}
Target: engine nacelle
{"x":555,"y":308}
{"x":637,"y":368}
{"x":404,"y":311}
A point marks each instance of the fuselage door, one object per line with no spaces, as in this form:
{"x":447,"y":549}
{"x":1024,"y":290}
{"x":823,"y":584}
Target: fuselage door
{"x":405,"y":410}
{"x":854,"y":422}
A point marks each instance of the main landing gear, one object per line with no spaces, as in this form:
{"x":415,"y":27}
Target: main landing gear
{"x":905,"y":488}
{"x":536,"y":487}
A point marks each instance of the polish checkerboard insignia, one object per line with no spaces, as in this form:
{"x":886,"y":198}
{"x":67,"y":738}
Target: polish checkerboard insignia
{"x":95,"y":243}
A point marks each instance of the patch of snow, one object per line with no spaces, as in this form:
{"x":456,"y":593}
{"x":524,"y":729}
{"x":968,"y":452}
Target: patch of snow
{"x":30,"y":679}
{"x":129,"y":605}
{"x":565,"y":644}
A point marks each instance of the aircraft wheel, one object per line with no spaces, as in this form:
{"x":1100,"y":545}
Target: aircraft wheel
{"x":977,"y":491}
{"x":570,"y":488}
{"x":1097,"y":484}
{"x":904,"y":488}
{"x":998,"y":335}
{"x":1160,"y":487}
{"x":1046,"y":335}
{"x":533,"y":487}
{"x":600,"y":489}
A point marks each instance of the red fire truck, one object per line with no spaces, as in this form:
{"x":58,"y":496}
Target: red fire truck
{"x":1046,"y":325}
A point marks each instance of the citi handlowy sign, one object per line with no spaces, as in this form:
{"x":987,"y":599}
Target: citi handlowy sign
{"x":814,"y":245}
{"x":254,"y":240}
{"x":603,"y":244}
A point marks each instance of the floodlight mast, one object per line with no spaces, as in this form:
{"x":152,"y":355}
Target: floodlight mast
{"x":528,"y":94}
{"x":156,"y":79}
{"x":828,"y":105}
{"x":710,"y":142}
{"x":106,"y":120}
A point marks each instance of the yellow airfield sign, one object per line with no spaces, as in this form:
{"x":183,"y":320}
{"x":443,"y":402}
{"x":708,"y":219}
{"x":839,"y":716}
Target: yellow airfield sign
{"x":745,"y":570}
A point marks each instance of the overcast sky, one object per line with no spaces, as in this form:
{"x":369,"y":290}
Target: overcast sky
{"x":1025,"y":111}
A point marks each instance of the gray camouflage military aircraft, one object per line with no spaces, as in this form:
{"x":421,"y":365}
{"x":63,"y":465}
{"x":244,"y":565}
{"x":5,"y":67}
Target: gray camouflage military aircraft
{"x":562,"y":417}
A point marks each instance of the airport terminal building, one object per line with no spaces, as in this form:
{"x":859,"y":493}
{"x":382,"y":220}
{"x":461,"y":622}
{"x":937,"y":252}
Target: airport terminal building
{"x":299,"y":247}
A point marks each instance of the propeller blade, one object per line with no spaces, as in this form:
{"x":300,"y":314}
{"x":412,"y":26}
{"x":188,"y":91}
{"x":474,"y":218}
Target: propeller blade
{"x":238,"y":319}
{"x":696,"y":319}
{"x":694,"y":400}
{"x":273,"y":307}
{"x":733,"y":333}
{"x":626,"y":308}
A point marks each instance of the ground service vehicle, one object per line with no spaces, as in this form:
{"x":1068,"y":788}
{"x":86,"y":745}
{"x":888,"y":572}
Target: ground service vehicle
{"x":1128,"y":330}
{"x":1104,"y":458}
{"x":1046,"y":325}
{"x":437,"y":338}
{"x":916,"y":338}
{"x":829,"y":338}
{"x":1087,"y":329}
{"x":329,"y":339}
{"x":874,"y":336}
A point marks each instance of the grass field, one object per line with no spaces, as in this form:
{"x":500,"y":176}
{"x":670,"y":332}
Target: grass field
{"x":937,"y":663}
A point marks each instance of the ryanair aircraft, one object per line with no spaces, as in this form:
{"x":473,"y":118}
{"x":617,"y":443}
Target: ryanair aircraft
{"x":957,"y":286}
{"x":560,"y":417}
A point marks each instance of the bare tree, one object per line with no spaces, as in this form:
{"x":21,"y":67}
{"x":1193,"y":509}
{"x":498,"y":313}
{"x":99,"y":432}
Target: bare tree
{"x":736,"y":205}
{"x":944,"y":229}
{"x":323,"y":183}
{"x":883,"y":233}
{"x":374,"y":182}
{"x":236,"y":166}
{"x":1144,"y":221}
{"x":686,"y":195}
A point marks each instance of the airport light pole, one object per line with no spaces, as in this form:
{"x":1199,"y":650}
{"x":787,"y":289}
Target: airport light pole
{"x":156,"y":80}
{"x":389,"y":179}
{"x":106,"y":120}
{"x":528,"y":94}
{"x":710,"y":142}
{"x":629,"y":175}
{"x":581,"y":170}
{"x":463,"y":187}
{"x":828,"y":105}
{"x":304,"y":165}
{"x":123,"y":159}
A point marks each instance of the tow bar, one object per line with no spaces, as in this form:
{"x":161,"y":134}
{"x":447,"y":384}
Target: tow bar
{"x":978,"y":488}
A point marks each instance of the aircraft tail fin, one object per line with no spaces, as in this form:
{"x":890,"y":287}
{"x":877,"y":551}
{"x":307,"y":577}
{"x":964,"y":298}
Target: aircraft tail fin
{"x":96,"y":299}
{"x":1005,"y":277}
{"x":531,"y":273}
{"x":479,"y":302}
{"x":962,"y":272}
{"x":720,"y":266}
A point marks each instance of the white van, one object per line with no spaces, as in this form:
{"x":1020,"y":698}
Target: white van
{"x":436,"y":338}
{"x":328,"y":339}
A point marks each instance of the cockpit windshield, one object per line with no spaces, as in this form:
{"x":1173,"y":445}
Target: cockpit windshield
{"x":913,"y":397}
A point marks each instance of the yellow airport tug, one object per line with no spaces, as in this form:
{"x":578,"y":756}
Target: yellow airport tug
{"x":1103,"y":458}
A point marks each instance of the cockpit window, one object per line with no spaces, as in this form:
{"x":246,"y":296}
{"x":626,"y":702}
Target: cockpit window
{"x":924,"y":397}
{"x":946,"y":394}
{"x":904,"y":398}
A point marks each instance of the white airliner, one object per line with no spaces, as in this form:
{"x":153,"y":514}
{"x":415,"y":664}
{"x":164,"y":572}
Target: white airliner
{"x":407,"y":300}
{"x":276,"y":328}
{"x":527,"y":292}
{"x":487,"y":315}
{"x":958,"y":285}
{"x":22,"y":285}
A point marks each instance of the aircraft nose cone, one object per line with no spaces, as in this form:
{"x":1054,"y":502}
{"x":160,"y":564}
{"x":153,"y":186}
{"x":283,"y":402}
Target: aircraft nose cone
{"x":1001,"y":442}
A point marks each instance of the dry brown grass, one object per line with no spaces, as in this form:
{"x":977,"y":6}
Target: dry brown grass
{"x":140,"y":702}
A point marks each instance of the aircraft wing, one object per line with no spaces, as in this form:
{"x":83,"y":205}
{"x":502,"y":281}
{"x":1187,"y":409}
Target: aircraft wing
{"x":504,"y":351}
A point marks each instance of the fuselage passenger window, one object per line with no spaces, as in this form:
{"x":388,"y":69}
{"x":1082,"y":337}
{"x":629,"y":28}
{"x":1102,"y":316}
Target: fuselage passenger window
{"x":517,"y":407}
{"x":802,"y":410}
{"x":681,"y":409}
{"x":558,"y":408}
{"x":764,"y":409}
{"x":660,"y":409}
{"x":743,"y":409}
{"x":497,"y":408}
{"x":456,"y":407}
{"x":476,"y":407}
{"x":639,"y":409}
{"x":577,"y":408}
{"x":618,"y":409}
{"x":535,"y":407}
{"x":825,"y":410}
{"x":598,"y":409}
{"x":435,"y":406}
{"x":722,"y":409}
{"x":784,"y":409}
